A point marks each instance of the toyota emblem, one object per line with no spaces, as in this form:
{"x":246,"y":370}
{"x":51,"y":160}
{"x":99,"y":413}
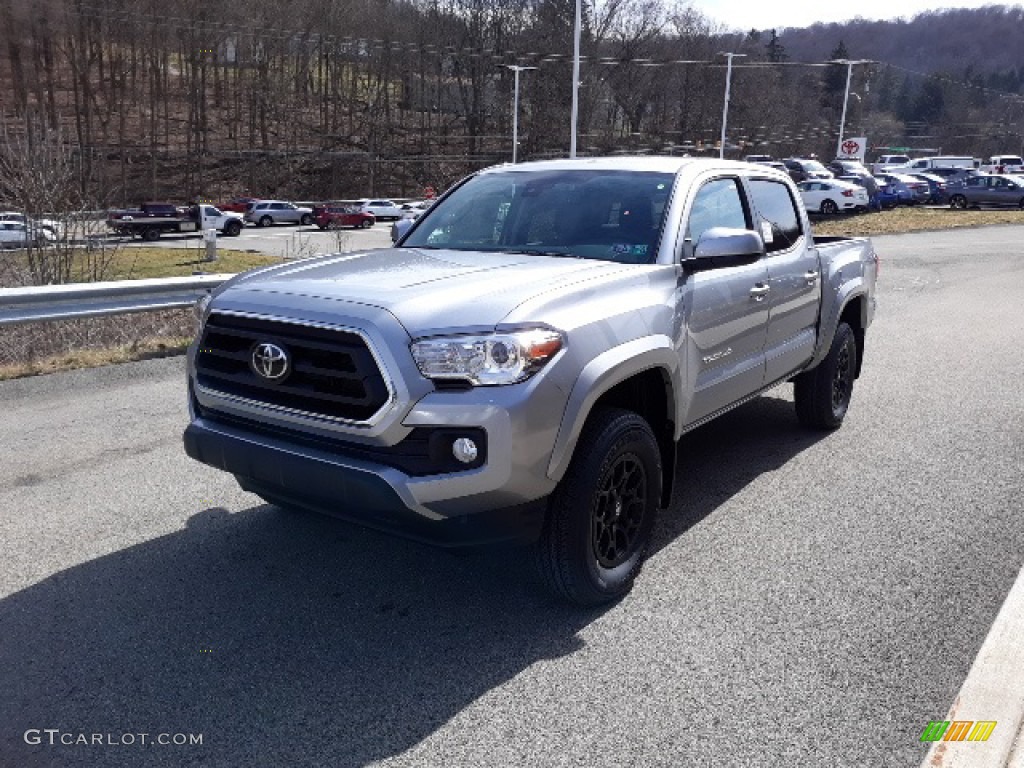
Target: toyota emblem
{"x":270,"y":361}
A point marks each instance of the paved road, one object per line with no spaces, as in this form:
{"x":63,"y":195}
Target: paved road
{"x":812,"y":601}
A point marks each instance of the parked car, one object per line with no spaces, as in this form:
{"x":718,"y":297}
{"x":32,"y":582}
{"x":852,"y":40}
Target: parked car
{"x":848,"y":168}
{"x":831,"y":196}
{"x":776,"y":164}
{"x":936,"y":185}
{"x":1004,"y":164}
{"x":995,"y":190}
{"x":954,"y":176}
{"x":382,"y":209}
{"x":758,"y":159}
{"x":885,"y":198}
{"x":54,"y":230}
{"x":238,"y":204}
{"x":885,"y":162}
{"x":801,"y":169}
{"x":14,"y":234}
{"x":335,"y":216}
{"x":268,"y":212}
{"x":910,"y":191}
{"x":925,"y":164}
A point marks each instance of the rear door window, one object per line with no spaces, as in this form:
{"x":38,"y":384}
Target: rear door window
{"x":781,"y":227}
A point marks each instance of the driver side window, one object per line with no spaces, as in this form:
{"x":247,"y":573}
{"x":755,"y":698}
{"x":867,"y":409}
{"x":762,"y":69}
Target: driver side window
{"x":718,"y":204}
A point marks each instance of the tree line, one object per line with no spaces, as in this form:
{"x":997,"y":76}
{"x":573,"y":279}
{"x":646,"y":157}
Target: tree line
{"x":336,"y":98}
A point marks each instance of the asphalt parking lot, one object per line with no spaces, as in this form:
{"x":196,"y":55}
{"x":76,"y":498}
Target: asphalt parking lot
{"x":284,"y":241}
{"x":812,"y":600}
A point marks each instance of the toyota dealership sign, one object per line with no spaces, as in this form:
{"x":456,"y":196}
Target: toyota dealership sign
{"x":852,"y":149}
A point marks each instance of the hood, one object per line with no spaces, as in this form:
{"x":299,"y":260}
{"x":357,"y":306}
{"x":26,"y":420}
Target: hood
{"x":428,"y":291}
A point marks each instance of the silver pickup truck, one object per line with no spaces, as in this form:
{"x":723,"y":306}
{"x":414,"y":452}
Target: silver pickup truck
{"x":521,"y":365}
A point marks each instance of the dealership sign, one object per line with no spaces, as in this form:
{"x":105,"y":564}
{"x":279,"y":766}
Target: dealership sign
{"x":852,"y":149}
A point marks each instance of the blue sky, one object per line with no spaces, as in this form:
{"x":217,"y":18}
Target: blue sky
{"x":744,"y":14}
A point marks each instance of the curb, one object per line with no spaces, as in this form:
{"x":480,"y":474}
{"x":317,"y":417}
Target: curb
{"x":993,"y":690}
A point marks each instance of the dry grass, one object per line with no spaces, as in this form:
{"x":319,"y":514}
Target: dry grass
{"x":916,"y":219}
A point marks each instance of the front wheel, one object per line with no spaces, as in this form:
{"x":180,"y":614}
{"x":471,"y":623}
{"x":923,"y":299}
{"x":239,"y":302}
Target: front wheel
{"x":266,"y":221}
{"x":958,"y":201}
{"x":232,"y":229}
{"x":822,"y":394}
{"x":829,"y":207}
{"x":366,"y":224}
{"x":600,"y":518}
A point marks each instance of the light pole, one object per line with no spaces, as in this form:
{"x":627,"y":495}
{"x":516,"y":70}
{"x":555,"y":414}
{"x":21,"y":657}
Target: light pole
{"x":515,"y":108}
{"x":725,"y":105}
{"x":575,"y":77}
{"x":846,"y":97}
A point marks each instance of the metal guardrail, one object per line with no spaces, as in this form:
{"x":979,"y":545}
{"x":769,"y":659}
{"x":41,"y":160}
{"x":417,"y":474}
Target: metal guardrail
{"x":80,"y":300}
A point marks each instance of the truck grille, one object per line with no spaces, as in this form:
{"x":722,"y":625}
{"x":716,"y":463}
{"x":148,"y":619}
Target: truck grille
{"x":331,"y":372}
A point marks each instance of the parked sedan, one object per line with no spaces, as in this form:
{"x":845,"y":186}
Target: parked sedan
{"x":333,"y":216}
{"x":848,"y":168}
{"x":833,"y":195}
{"x":936,"y":185}
{"x":268,"y":212}
{"x":910,"y":191}
{"x":885,"y":198}
{"x":805,"y":170}
{"x":382,"y":209}
{"x":996,"y":190}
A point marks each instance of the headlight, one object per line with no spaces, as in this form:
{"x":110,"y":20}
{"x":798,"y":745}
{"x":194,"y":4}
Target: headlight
{"x":487,"y":360}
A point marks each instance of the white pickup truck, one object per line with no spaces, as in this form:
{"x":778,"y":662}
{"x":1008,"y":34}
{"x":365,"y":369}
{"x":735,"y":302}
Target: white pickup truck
{"x":522,"y":364}
{"x":1003,"y":164}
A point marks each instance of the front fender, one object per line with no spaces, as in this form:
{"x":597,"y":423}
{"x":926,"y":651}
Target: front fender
{"x":600,"y":375}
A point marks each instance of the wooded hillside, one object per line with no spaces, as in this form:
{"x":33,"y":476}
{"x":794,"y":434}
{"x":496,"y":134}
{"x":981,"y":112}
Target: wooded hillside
{"x":334,"y":98}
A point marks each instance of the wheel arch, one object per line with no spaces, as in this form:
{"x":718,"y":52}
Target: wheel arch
{"x":643,"y":381}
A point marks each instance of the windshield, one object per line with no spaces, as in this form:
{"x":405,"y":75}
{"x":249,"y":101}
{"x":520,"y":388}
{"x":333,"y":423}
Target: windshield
{"x":591,"y":214}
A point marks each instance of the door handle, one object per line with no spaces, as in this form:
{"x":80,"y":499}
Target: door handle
{"x":759,"y":291}
{"x":811,"y":277}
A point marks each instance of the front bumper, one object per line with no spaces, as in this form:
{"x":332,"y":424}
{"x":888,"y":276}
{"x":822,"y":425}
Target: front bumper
{"x":370,"y":494}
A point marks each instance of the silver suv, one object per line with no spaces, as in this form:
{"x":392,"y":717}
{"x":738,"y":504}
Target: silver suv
{"x":264,"y":213}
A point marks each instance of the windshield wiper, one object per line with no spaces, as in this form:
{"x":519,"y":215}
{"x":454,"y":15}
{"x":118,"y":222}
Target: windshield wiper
{"x":538,"y":252}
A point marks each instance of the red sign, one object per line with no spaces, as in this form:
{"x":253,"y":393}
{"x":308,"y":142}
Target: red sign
{"x":851,"y":147}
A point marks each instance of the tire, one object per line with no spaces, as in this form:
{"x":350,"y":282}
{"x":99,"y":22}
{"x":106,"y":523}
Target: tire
{"x":829,"y":208}
{"x":232,"y":229}
{"x":265,"y":221}
{"x":822,"y":395}
{"x":150,"y":234}
{"x":958,"y":201}
{"x":586,"y":553}
{"x":306,"y":220}
{"x":1021,"y":204}
{"x":366,"y":223}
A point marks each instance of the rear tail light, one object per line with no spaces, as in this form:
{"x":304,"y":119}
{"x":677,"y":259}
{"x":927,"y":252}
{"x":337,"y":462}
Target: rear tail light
{"x":847,"y":193}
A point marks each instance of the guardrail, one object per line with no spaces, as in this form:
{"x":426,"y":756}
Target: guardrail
{"x":80,"y":300}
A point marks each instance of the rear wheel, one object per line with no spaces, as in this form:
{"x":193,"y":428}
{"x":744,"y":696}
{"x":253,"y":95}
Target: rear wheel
{"x":306,"y":220}
{"x":600,"y":518}
{"x":366,"y":223}
{"x":958,"y":201}
{"x":822,"y":394}
{"x":150,"y":234}
{"x":829,"y":207}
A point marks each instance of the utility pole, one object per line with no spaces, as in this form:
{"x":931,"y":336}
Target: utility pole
{"x":846,"y":97}
{"x":576,"y":77}
{"x":516,"y":68}
{"x":725,"y":105}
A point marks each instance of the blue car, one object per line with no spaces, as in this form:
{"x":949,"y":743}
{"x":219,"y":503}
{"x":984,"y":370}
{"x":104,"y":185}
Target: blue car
{"x":939,"y":195}
{"x":884,"y":198}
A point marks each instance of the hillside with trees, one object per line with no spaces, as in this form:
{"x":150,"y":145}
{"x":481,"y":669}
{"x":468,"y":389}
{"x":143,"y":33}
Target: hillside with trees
{"x":181,"y":99}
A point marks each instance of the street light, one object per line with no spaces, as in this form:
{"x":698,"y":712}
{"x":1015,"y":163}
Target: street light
{"x":846,"y":96}
{"x":725,"y":105}
{"x":575,"y":77}
{"x":515,"y":107}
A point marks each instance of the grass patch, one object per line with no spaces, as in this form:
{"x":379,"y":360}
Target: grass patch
{"x":913,"y":219}
{"x":137,"y":263}
{"x":143,"y":349}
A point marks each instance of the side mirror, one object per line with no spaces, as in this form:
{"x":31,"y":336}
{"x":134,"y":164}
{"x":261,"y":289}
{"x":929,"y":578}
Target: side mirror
{"x":399,"y":228}
{"x":724,"y":242}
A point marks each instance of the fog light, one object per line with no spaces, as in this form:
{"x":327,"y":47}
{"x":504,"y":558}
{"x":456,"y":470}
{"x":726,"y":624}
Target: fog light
{"x":464,"y":450}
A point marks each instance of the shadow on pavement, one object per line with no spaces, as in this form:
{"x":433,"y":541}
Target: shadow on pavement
{"x":290,"y":639}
